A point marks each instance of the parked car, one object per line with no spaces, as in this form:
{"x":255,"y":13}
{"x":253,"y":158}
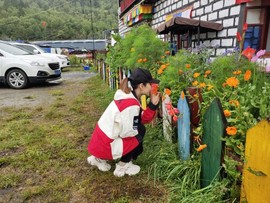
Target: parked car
{"x":18,"y":67}
{"x":35,"y":49}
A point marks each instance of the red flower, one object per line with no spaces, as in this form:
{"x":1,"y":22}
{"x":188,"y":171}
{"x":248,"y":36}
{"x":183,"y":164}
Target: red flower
{"x":249,"y":52}
{"x":245,"y":27}
{"x":238,"y":37}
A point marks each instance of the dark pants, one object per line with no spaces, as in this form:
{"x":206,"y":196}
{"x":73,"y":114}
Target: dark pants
{"x":133,"y":155}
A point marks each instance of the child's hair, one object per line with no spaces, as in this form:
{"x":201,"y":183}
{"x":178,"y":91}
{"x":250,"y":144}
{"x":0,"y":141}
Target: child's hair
{"x":124,"y":86}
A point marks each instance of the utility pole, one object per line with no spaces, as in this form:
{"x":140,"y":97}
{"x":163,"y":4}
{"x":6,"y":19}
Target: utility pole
{"x":92,"y":27}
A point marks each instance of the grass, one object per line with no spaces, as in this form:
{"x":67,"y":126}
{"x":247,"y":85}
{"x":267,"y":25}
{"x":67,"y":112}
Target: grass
{"x":43,"y":158}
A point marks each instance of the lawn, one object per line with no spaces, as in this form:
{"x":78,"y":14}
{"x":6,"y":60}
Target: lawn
{"x":43,"y":154}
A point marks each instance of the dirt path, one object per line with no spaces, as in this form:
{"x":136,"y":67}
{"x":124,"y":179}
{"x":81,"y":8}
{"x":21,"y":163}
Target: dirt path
{"x":71,"y":84}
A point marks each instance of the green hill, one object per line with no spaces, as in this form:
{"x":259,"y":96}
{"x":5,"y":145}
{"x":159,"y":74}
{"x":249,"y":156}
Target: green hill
{"x":56,"y":19}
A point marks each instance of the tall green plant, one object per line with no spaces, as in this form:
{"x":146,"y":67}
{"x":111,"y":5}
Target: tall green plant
{"x":139,"y":48}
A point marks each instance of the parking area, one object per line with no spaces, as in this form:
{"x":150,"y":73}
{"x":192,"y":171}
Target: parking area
{"x":70,"y":85}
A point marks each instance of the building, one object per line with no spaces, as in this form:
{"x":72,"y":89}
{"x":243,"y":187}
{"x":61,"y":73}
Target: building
{"x":189,"y":23}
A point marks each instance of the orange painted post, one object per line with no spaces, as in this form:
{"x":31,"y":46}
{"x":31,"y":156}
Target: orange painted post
{"x":256,"y":173}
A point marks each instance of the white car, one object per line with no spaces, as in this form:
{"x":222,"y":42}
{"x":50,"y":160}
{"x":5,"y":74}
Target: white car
{"x":34,"y":49}
{"x":18,"y":68}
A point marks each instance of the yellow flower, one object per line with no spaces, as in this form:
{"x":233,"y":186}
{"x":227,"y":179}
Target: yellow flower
{"x":232,"y":82}
{"x":231,"y":130}
{"x":188,"y":65}
{"x":210,"y":87}
{"x":227,"y":113}
{"x":247,"y":75}
{"x":238,"y":72}
{"x":202,"y":85}
{"x":195,"y":75}
{"x":201,"y":147}
{"x":195,"y":83}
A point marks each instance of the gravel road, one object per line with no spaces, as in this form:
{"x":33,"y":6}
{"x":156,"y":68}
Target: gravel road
{"x":70,"y":85}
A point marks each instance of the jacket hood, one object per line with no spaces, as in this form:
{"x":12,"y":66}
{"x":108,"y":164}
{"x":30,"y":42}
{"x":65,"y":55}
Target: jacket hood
{"x":119,"y":94}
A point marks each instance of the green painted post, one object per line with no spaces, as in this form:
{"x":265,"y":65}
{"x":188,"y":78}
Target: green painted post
{"x":214,"y":123}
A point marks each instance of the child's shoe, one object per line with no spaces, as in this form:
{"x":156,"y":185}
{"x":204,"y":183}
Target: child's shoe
{"x":101,"y":164}
{"x":129,"y":169}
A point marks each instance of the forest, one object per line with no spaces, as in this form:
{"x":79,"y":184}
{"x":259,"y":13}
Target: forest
{"x":56,"y":19}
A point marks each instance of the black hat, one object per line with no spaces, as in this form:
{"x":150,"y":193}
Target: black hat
{"x":140,"y":75}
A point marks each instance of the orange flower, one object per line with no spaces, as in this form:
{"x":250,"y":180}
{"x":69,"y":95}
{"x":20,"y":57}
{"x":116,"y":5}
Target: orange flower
{"x":139,"y":60}
{"x":195,"y":83}
{"x":247,"y":75}
{"x":201,"y":147}
{"x":238,"y":72}
{"x":232,"y":82}
{"x":168,"y":91}
{"x":249,"y":52}
{"x":224,"y":84}
{"x":202,"y":85}
{"x":182,"y":95}
{"x":234,"y":103}
{"x":180,"y":72}
{"x":227,"y":113}
{"x":145,"y":60}
{"x":195,"y":75}
{"x":195,"y":96}
{"x":163,"y":67}
{"x":167,"y":52}
{"x":231,"y":130}
{"x":207,"y":72}
{"x":188,"y":65}
{"x":160,"y":71}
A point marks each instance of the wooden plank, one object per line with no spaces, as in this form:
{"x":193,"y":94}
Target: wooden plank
{"x":183,"y":128}
{"x":256,"y":173}
{"x":214,"y":123}
{"x":167,"y":120}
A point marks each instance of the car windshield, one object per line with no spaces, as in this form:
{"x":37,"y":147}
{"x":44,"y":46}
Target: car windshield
{"x":13,"y":50}
{"x":30,"y":48}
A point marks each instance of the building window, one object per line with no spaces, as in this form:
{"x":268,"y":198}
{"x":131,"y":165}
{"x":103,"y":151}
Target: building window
{"x":258,"y":32}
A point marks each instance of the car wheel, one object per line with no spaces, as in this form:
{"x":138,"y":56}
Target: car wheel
{"x":16,"y":79}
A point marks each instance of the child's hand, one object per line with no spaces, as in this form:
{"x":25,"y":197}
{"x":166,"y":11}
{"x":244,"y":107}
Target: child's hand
{"x":155,"y":98}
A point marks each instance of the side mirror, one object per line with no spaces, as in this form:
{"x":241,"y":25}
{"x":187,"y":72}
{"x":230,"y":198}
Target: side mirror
{"x":36,"y":51}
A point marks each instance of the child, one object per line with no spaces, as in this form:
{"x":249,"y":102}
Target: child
{"x":119,"y":132}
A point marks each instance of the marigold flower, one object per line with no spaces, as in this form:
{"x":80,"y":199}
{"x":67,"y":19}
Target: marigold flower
{"x":160,"y":71}
{"x":195,"y":83}
{"x":207,"y":72}
{"x":139,"y":60}
{"x":162,"y":57}
{"x":180,"y":72}
{"x":195,"y":75}
{"x":201,"y":147}
{"x":202,"y":85}
{"x":232,"y":82}
{"x":247,"y":75}
{"x":238,"y":72}
{"x":227,"y":113}
{"x":168,"y":91}
{"x":188,"y":65}
{"x":167,"y":52}
{"x":145,"y":60}
{"x":234,"y":103}
{"x":163,"y":67}
{"x":209,"y":87}
{"x":249,"y":52}
{"x":231,"y":130}
{"x":182,"y":95}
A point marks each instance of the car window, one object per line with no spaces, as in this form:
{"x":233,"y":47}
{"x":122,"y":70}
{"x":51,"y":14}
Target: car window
{"x":13,"y":50}
{"x":28,"y":48}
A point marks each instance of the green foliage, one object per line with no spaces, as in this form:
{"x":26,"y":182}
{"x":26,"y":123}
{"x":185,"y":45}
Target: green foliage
{"x":65,"y":19}
{"x":139,"y":48}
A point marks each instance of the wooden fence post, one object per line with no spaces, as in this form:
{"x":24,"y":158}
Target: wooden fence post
{"x":214,"y":123}
{"x":256,"y":173}
{"x":183,"y":125}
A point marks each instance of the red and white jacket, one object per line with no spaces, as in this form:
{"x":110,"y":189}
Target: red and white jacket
{"x":116,"y":132}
